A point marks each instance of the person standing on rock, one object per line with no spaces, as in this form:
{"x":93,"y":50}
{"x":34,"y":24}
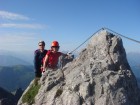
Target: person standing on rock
{"x":39,"y":54}
{"x":52,"y":57}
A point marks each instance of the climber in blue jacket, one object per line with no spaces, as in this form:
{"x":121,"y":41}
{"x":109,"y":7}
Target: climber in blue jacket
{"x":39,"y":54}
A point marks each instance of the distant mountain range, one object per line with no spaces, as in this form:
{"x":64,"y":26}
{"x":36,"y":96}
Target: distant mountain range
{"x":7,"y":60}
{"x":7,"y":98}
{"x":134,"y":61}
{"x":26,"y":57}
{"x":14,"y":71}
{"x":133,"y":58}
{"x":14,"y":77}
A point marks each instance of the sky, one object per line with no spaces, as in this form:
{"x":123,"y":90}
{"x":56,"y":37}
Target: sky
{"x":23,"y":23}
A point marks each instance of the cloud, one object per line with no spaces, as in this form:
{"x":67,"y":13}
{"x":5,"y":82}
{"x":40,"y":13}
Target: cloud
{"x":11,"y":21}
{"x":12,"y":16}
{"x":21,"y":25}
{"x":18,"y":39}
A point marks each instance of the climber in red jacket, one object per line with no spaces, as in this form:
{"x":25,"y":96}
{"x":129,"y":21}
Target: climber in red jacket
{"x":52,"y":57}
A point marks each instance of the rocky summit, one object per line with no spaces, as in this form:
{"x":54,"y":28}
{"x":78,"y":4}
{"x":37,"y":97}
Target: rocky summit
{"x":100,"y":75}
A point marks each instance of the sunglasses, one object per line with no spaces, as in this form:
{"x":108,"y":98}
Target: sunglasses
{"x":55,"y":46}
{"x":41,"y":45}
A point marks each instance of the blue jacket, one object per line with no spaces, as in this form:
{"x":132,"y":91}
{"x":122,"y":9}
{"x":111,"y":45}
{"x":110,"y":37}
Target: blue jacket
{"x":38,"y":59}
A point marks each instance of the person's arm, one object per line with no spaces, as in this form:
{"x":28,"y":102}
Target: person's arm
{"x":45,"y":62}
{"x":66,"y":55}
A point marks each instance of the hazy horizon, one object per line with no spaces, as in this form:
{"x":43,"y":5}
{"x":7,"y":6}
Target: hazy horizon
{"x":28,"y":57}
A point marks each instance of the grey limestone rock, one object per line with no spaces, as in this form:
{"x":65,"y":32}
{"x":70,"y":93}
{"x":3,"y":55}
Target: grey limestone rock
{"x":100,"y":75}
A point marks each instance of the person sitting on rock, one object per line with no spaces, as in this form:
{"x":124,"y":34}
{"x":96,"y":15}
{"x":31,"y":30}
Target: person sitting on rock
{"x":39,"y":54}
{"x":52,"y":57}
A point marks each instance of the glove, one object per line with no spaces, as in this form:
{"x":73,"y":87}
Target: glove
{"x":69,"y":53}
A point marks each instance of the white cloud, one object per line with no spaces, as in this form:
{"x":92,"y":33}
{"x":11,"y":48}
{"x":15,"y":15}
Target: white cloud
{"x":15,"y":25}
{"x":18,"y":41}
{"x":17,"y":37}
{"x":12,"y":16}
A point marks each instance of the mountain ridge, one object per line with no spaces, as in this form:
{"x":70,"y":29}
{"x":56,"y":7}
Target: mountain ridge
{"x":8,"y":60}
{"x":100,"y":75}
{"x":13,"y":77}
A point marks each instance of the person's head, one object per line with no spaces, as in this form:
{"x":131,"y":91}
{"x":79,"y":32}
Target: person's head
{"x":55,"y":46}
{"x":41,"y":45}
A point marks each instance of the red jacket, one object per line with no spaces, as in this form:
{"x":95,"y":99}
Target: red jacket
{"x":53,"y":59}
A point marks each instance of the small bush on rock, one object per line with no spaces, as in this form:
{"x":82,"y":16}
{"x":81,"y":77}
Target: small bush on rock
{"x":29,"y":96}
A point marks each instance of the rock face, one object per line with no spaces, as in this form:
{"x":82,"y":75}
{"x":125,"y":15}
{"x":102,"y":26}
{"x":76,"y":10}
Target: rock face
{"x":100,"y":75}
